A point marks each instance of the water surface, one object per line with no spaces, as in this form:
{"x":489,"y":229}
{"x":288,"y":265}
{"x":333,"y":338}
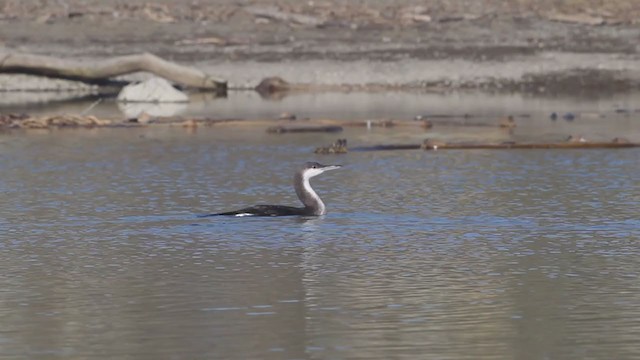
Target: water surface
{"x":448,"y":254}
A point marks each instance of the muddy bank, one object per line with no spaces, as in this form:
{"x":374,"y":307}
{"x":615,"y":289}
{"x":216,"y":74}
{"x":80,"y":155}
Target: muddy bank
{"x":532,"y":46}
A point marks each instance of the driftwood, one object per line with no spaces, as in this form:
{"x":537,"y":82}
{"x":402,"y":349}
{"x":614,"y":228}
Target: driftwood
{"x":24,"y":121}
{"x":277,"y":88}
{"x":289,"y":121}
{"x":101,"y":72}
{"x":507,"y":122}
{"x":373,"y":123}
{"x":340,"y":146}
{"x":513,"y":145}
{"x":303,"y":129}
{"x":387,"y":147}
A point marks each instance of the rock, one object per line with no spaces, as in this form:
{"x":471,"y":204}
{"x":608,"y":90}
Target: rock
{"x":427,"y":124}
{"x":154,"y":90}
{"x":287,"y":116}
{"x":507,"y":122}
{"x":143,"y":118}
{"x":275,"y":13}
{"x":272,"y":84}
{"x":338,"y":147}
{"x":190,"y":123}
{"x":136,"y":110}
{"x":576,"y":139}
{"x":620,"y":140}
{"x":430,"y":144}
{"x":156,"y":97}
{"x":416,"y":14}
{"x":159,"y":13}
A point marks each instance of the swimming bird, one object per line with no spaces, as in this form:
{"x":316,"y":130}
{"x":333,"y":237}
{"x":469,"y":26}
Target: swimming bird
{"x":313,"y":205}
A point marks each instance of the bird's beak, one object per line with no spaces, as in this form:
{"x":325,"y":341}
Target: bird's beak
{"x":331,"y":167}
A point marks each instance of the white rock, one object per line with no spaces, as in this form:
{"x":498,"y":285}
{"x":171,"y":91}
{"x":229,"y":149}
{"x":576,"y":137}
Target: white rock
{"x":134,"y":110}
{"x":154,"y":90}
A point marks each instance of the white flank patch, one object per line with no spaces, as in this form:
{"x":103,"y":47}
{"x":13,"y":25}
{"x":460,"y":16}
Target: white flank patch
{"x":243,"y":214}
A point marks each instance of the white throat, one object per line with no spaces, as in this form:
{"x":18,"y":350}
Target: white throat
{"x":307,"y":188}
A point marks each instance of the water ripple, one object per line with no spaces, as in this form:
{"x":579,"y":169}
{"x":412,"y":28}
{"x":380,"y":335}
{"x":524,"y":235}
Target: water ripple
{"x":523,"y":254}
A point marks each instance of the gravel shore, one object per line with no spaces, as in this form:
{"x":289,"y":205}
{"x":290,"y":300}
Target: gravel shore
{"x":532,"y":46}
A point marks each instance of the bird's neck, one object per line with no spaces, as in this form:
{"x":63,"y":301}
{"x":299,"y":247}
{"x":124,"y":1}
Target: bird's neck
{"x":307,"y":195}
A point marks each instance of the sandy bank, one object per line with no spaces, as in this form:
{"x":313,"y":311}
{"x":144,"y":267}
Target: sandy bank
{"x":535,"y":46}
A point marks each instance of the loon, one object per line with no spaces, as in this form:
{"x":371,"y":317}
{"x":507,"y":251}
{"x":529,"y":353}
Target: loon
{"x":313,"y":205}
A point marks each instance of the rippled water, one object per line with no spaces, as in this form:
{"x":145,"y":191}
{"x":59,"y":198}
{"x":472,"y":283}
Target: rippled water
{"x":444,"y":255}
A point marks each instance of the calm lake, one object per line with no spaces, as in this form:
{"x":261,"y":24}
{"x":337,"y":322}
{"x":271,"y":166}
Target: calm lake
{"x":519,"y":254}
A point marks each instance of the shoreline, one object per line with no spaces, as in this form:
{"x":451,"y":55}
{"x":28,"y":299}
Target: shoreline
{"x":375,"y":45}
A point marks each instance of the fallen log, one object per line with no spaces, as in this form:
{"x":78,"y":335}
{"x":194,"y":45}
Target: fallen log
{"x":275,"y":87}
{"x":387,"y":147}
{"x":303,"y":129}
{"x":570,"y":143}
{"x":340,"y":146}
{"x":507,"y":122}
{"x":510,"y":145}
{"x":387,"y":123}
{"x":383,"y":123}
{"x":102,"y":72}
{"x":24,"y":121}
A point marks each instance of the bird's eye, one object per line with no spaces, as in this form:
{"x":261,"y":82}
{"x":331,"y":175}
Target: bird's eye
{"x":314,"y":166}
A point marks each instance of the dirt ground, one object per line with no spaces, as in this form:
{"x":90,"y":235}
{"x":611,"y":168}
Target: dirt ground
{"x":526,"y":45}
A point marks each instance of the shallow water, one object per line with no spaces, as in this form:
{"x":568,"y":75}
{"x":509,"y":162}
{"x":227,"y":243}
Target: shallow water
{"x":447,"y":255}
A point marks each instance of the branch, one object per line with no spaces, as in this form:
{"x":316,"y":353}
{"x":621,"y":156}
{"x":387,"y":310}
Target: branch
{"x":100,"y":72}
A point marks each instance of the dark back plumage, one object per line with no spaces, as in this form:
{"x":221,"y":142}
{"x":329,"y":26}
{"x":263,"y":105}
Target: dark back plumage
{"x":313,"y":205}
